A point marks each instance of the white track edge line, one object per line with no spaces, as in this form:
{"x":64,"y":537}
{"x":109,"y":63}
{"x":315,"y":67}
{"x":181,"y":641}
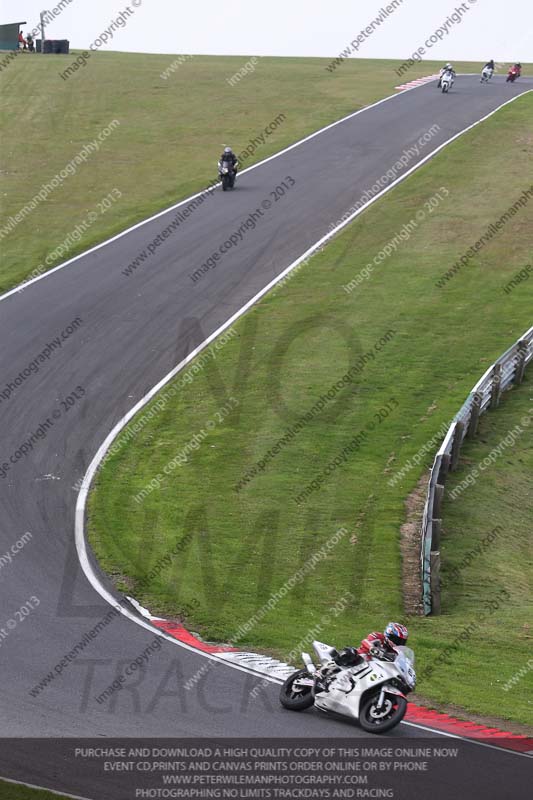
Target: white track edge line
{"x":466,"y":739}
{"x":81,"y":545}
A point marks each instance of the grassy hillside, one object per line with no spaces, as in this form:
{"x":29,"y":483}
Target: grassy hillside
{"x":189,"y":475}
{"x":487,"y":548}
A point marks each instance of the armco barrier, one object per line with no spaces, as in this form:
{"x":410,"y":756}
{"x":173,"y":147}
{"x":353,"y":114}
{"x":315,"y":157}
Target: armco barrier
{"x":507,"y":371}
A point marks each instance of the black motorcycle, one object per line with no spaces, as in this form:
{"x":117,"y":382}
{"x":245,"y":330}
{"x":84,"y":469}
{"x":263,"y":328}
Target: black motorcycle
{"x":227,"y":173}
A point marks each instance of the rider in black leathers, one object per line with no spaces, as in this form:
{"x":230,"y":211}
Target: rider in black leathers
{"x":229,"y":155}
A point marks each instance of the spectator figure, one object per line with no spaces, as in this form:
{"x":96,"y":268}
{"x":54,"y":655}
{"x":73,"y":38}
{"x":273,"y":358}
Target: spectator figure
{"x":29,"y":40}
{"x":22,"y":41}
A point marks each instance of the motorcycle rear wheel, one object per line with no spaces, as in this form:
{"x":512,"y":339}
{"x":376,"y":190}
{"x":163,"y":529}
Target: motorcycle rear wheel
{"x":296,"y":699}
{"x":375,"y":721}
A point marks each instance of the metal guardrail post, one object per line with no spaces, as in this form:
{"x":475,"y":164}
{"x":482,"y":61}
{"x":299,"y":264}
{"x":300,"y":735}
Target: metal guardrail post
{"x":496,"y":386}
{"x":444,"y":468}
{"x":426,"y":567}
{"x":435,"y":539}
{"x":474,"y":416}
{"x":437,"y":500}
{"x":521,"y":362}
{"x":456,"y":444}
{"x":435,"y":583}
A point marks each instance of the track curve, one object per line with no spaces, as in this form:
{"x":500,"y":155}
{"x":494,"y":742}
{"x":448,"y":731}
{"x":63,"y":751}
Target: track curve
{"x":125,"y":345}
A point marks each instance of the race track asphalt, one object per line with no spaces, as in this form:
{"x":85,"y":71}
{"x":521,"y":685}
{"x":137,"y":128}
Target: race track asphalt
{"x":133,"y":333}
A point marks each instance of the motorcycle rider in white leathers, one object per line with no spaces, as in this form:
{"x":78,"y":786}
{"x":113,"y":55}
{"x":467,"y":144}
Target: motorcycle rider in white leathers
{"x":447,"y":68}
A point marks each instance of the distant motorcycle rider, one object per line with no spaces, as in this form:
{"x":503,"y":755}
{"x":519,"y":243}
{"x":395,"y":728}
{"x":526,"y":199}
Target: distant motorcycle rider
{"x":447,"y":68}
{"x":229,"y":155}
{"x":514,"y":72}
{"x":487,"y":71}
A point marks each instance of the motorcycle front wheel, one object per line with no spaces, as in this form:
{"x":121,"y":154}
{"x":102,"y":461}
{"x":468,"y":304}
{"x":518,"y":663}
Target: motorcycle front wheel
{"x":296,"y":698}
{"x":376,"y":720}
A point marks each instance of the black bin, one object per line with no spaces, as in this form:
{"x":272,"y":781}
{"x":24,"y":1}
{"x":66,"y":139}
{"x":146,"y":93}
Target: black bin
{"x":56,"y":46}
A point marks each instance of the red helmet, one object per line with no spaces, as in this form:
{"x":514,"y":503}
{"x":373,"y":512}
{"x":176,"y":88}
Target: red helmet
{"x":396,"y":634}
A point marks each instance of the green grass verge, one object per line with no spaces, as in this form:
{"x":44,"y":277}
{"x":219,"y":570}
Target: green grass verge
{"x":478,"y":565}
{"x":11,"y":791}
{"x":285,"y":354}
{"x":168,"y":141}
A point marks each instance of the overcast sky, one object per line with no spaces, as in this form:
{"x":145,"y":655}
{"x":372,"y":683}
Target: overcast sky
{"x":488,"y":28}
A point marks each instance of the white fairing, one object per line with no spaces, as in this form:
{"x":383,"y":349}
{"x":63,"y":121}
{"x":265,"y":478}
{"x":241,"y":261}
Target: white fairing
{"x":323,"y":651}
{"x":346,"y":691}
{"x":405,"y":665}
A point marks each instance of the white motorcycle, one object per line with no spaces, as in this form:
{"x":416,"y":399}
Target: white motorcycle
{"x":372,"y":691}
{"x":446,"y":81}
{"x":486,"y":74}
